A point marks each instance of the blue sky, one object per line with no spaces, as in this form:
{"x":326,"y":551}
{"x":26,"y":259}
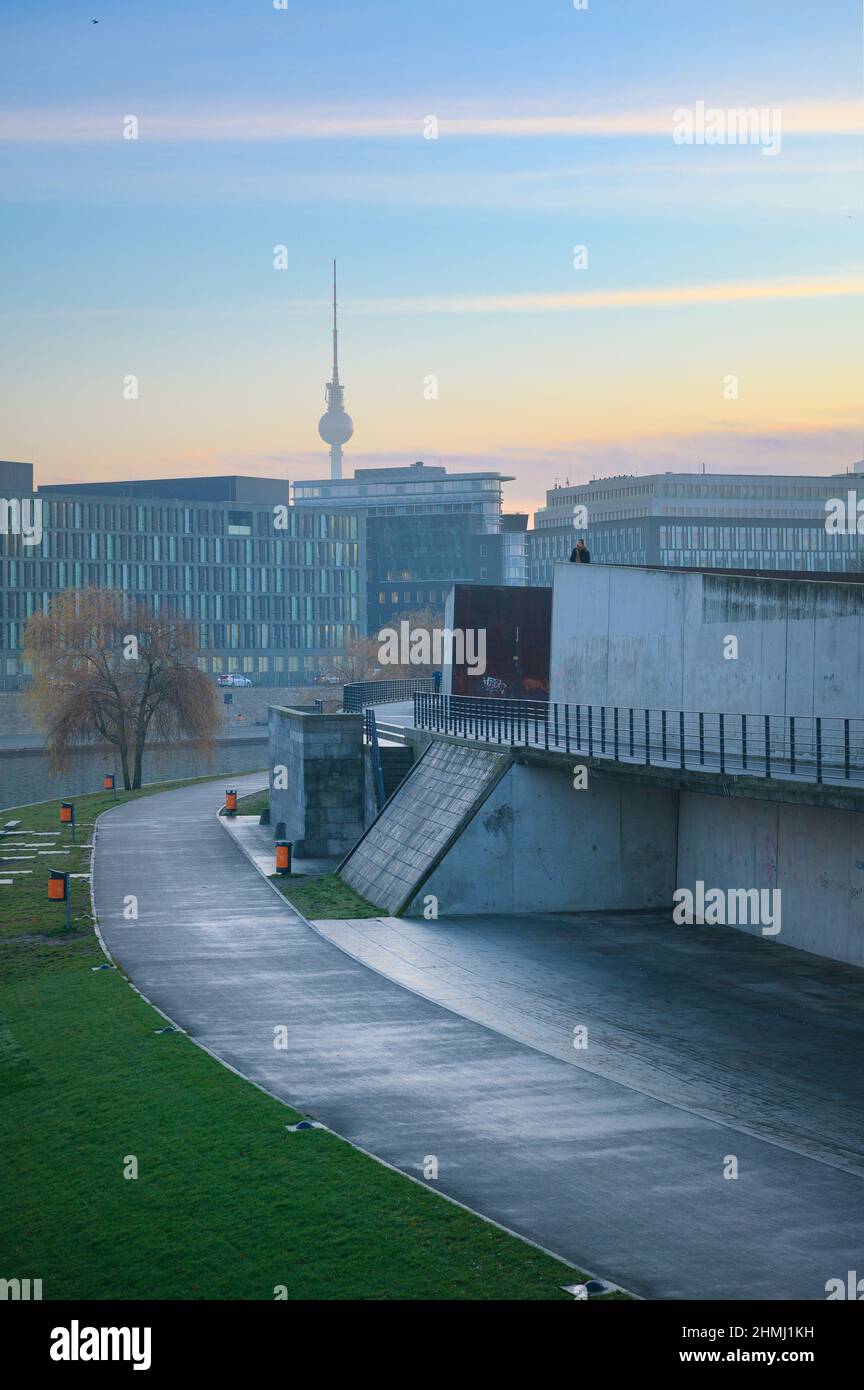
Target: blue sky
{"x":304,"y":127}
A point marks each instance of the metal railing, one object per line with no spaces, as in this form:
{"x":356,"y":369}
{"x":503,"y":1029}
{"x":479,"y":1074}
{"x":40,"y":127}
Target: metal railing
{"x":818,"y":749}
{"x":360,"y":694}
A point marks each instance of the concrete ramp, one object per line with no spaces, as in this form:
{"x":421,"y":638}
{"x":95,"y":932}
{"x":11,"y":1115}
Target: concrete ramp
{"x":420,"y":822}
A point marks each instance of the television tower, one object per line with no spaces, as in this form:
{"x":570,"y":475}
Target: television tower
{"x":335,"y":426}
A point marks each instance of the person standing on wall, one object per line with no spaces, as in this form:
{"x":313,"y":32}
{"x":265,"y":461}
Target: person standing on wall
{"x":580,"y":554}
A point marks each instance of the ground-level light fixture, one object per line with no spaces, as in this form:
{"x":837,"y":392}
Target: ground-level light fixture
{"x":108,"y":783}
{"x":231,"y":803}
{"x":283,"y":857}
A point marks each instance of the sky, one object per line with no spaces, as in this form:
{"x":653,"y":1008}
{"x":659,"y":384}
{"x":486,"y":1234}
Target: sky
{"x":713,"y":317}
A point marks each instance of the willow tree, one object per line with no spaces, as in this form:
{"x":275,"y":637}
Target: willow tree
{"x":108,"y":668}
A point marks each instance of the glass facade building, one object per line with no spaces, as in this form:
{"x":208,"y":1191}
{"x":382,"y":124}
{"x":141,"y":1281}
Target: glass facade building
{"x":719,"y":521}
{"x":272,"y":591}
{"x":422,"y":530}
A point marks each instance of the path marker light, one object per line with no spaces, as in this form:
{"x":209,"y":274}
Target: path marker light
{"x":59,"y":891}
{"x":283,"y":857}
{"x":231,"y":803}
{"x":108,"y":783}
{"x":67,"y":815}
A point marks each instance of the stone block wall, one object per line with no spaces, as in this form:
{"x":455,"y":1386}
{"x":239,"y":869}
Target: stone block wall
{"x":321,"y":807}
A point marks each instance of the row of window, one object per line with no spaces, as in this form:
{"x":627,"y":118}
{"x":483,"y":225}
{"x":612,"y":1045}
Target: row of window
{"x":420,"y":597}
{"x":245,"y":636}
{"x":24,"y":576}
{"x":152,"y":519}
{"x":791,"y":539}
{"x":755,"y":560}
{"x":78,"y":545}
{"x":357,"y":492}
{"x":702,"y":489}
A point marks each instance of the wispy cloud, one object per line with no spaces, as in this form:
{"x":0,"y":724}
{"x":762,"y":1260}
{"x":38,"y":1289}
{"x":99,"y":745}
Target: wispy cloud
{"x":59,"y":126}
{"x":840,"y":286}
{"x":819,"y":287}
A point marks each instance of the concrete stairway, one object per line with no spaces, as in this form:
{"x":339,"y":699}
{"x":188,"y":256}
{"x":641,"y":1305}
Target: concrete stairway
{"x":396,"y":763}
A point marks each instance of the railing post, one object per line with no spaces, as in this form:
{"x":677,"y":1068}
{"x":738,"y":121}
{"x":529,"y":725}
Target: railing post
{"x":632,"y":746}
{"x":590,"y":730}
{"x":567,"y":729}
{"x":578,"y":726}
{"x":744,"y":740}
{"x":602,"y":728}
{"x":663,"y":734}
{"x":701,"y":739}
{"x":792,"y":744}
{"x":767,"y":745}
{"x":818,"y":750}
{"x":681,"y":737}
{"x":722,"y":743}
{"x":615,"y":731}
{"x":647,"y":738}
{"x":846,"y":768}
{"x":555,"y":708}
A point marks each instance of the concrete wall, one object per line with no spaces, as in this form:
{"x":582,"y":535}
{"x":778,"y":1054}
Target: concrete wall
{"x":538,"y":845}
{"x":813,"y":855}
{"x":322,"y":805}
{"x":654,"y":639}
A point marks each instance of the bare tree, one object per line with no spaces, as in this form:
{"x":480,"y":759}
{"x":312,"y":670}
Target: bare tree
{"x":357,"y":661}
{"x":106,"y":667}
{"x":420,"y":621}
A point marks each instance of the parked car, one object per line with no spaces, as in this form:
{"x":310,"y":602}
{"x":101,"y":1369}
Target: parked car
{"x":233,"y":680}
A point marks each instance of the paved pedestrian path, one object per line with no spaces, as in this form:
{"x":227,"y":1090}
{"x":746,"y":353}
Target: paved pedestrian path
{"x":624,"y":1184}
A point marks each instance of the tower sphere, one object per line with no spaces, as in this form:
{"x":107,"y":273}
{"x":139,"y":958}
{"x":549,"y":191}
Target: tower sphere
{"x":335,"y":426}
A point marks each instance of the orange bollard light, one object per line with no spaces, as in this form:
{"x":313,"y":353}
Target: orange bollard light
{"x":283,"y":857}
{"x":108,"y":782}
{"x":231,"y":803}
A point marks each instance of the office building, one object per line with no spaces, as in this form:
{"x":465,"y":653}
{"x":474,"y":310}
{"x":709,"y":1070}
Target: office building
{"x":713,"y":520}
{"x":273,"y":591}
{"x":425,"y":529}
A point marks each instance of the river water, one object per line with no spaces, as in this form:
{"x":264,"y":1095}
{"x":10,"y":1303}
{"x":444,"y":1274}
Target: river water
{"x":24,"y":775}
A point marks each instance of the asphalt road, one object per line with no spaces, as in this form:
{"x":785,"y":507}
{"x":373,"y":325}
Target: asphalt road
{"x":625,"y":1184}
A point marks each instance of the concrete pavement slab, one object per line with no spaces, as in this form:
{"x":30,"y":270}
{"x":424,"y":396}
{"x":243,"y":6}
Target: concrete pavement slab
{"x":606,"y":1176}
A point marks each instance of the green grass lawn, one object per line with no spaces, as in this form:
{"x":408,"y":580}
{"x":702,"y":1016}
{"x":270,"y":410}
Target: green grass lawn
{"x":323,"y":897}
{"x":227,"y":1204}
{"x":254,"y":803}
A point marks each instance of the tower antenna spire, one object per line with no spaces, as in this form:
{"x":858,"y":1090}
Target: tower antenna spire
{"x":335,"y":331}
